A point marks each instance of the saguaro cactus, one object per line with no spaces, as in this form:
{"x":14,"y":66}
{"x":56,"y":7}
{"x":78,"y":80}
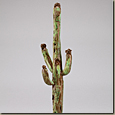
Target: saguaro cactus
{"x":56,"y":67}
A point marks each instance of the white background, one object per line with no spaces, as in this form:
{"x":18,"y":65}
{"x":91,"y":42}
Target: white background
{"x":86,"y":28}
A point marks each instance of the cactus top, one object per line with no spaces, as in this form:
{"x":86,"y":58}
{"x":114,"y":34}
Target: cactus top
{"x":57,"y":9}
{"x":57,"y":4}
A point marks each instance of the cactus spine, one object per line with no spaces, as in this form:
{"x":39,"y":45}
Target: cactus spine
{"x":56,"y":67}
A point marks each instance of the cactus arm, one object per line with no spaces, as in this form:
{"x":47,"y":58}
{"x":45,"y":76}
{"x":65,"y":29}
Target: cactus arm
{"x":47,"y":57}
{"x":68,"y":62}
{"x":46,"y":76}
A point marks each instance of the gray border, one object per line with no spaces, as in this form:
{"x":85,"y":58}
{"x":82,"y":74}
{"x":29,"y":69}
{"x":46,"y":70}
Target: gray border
{"x":113,"y":79}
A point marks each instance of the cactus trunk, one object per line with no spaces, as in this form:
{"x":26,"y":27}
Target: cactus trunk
{"x":57,"y":89}
{"x":56,"y":66}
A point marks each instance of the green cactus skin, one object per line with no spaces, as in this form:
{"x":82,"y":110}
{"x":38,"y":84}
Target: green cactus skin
{"x":46,"y":76}
{"x":68,"y":62}
{"x":47,"y":57}
{"x":56,"y":67}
